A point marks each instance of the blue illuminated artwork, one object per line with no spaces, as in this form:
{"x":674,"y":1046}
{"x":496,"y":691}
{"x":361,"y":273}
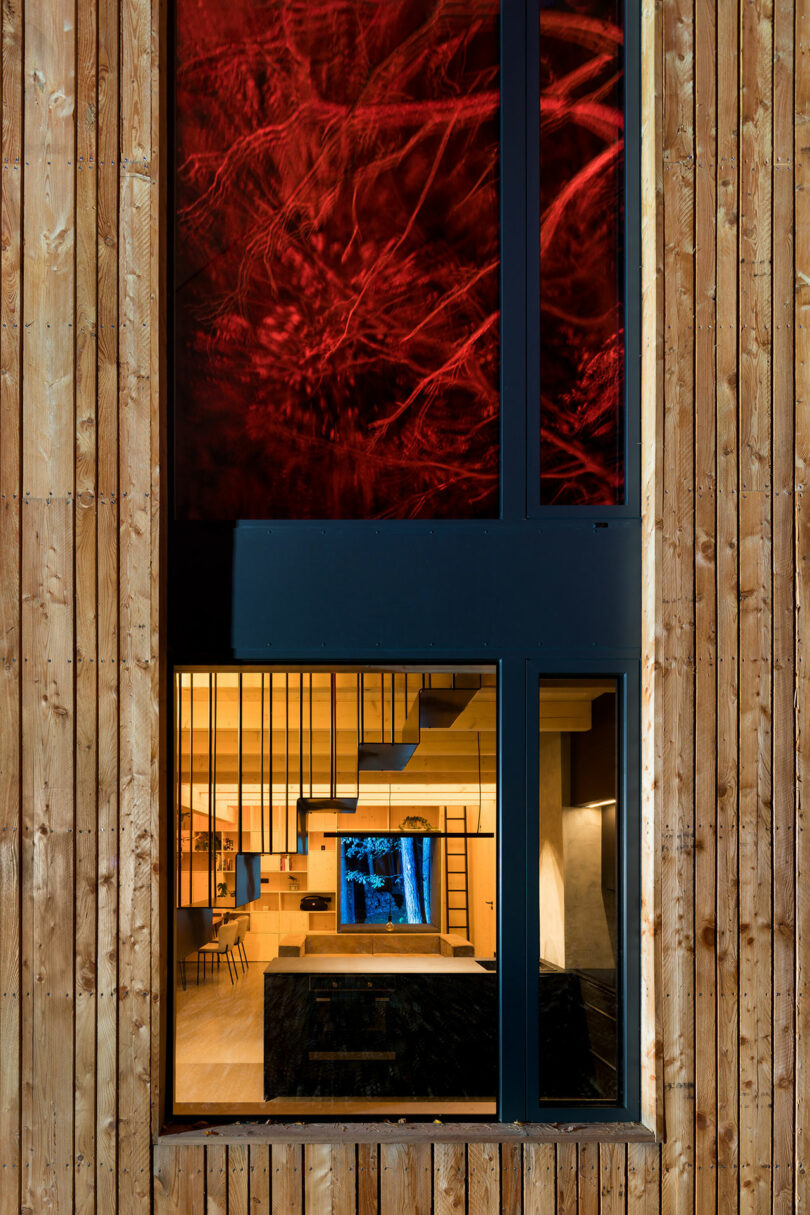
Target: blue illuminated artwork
{"x":386,"y":879}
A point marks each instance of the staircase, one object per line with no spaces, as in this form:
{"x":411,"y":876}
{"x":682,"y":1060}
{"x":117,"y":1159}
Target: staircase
{"x":430,"y":709}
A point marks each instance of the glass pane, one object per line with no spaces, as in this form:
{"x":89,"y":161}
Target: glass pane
{"x":581,"y":249}
{"x":342,"y":825}
{"x":578,"y":1013}
{"x":337,"y":259}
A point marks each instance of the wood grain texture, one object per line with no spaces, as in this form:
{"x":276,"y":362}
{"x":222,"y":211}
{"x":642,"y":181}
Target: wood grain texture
{"x":567,"y":1179}
{"x":801,"y":364}
{"x":484,"y":1178}
{"x":259,"y":1179}
{"x":216,"y":1180}
{"x":11,"y":857}
{"x":405,"y":1178}
{"x":286,"y":1165}
{"x":539,"y":1179}
{"x":726,"y":535}
{"x":449,"y":1179}
{"x":178,"y":1181}
{"x":511,"y":1178}
{"x":368,"y":1174}
{"x":678,"y":655}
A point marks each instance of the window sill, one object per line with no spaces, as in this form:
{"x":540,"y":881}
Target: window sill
{"x":387,"y":1132}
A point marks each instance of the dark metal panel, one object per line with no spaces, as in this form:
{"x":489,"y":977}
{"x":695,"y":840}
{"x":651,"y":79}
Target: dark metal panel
{"x":354,"y":592}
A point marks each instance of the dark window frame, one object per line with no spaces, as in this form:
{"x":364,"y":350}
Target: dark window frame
{"x":464,"y":612}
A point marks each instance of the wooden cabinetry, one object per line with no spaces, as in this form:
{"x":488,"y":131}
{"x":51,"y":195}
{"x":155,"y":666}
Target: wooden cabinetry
{"x":278,"y":911}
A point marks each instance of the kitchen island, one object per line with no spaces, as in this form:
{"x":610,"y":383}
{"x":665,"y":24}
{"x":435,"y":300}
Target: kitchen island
{"x":359,"y":1025}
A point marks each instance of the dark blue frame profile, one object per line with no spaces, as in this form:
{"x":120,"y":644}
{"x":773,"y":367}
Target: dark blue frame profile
{"x":628,"y":902}
{"x":534,"y":592}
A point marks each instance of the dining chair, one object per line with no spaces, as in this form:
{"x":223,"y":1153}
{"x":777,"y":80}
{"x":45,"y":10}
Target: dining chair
{"x":244,"y":924}
{"x":223,"y":944}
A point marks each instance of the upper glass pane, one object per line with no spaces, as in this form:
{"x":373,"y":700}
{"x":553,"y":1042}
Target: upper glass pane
{"x":336,"y":259}
{"x":581,"y":253}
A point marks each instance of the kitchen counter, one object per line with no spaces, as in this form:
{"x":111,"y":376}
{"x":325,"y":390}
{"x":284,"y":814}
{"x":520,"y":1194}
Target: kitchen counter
{"x":410,"y":1026}
{"x":376,"y":964}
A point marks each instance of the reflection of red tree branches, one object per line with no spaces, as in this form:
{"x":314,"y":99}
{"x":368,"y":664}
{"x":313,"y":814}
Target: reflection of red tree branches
{"x":581,"y":338}
{"x":337,"y":258}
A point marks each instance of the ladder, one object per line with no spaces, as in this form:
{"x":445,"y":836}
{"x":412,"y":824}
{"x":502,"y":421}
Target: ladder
{"x":456,"y":884}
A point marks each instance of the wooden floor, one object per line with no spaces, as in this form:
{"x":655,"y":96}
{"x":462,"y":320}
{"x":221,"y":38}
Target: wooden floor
{"x":219,"y":1057}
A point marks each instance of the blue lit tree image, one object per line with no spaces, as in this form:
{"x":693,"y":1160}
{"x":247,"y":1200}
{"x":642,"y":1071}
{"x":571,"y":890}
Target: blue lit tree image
{"x":385,"y":877}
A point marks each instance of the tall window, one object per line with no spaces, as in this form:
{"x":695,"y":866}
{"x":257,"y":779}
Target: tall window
{"x":405,"y":449}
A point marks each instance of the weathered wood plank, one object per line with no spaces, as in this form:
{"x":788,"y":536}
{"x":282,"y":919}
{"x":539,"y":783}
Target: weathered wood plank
{"x":344,"y":1179}
{"x":259,"y":1179}
{"x":178,"y":1180}
{"x":368,"y":1172}
{"x":216,"y":1180}
{"x":567,"y":1179}
{"x":588,"y":1170}
{"x":677,"y":463}
{"x":727,"y":608}
{"x":405,"y":1178}
{"x":47,"y":790}
{"x":784,"y":667}
{"x":802,"y":547}
{"x":238,"y":1179}
{"x":318,"y":1178}
{"x":86,"y":643}
{"x":539,"y":1179}
{"x":754,"y":512}
{"x":612,"y":1171}
{"x":135,"y":596}
{"x":705,"y":506}
{"x":449,"y":1179}
{"x":106,"y":665}
{"x":643,"y":1179}
{"x":48,"y":249}
{"x":483,"y":1179}
{"x":511,"y":1178}
{"x":11,"y":980}
{"x":286,"y":1166}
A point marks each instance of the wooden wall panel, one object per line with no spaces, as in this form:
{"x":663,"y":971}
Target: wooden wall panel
{"x":726,"y":239}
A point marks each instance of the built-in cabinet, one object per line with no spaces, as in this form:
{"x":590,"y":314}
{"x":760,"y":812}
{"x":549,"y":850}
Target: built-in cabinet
{"x":278,"y":910}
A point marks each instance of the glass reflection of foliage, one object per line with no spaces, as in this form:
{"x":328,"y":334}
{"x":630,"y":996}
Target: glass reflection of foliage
{"x":581,"y":246}
{"x":337,"y":258}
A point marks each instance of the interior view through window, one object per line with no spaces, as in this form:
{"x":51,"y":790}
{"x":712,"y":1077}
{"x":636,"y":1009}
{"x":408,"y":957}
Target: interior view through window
{"x":577,"y":1007}
{"x":335,"y":883}
{"x":335,"y":837}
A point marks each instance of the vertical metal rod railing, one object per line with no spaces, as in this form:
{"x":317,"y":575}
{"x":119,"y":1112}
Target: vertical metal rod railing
{"x":190,"y":784}
{"x":286,"y":761}
{"x":311,"y":744}
{"x":270,"y":761}
{"x":261,"y":760}
{"x":210,"y":785}
{"x":239,"y":753}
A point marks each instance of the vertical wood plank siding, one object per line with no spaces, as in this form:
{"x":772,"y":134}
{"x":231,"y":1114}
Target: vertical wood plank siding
{"x":726,"y":483}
